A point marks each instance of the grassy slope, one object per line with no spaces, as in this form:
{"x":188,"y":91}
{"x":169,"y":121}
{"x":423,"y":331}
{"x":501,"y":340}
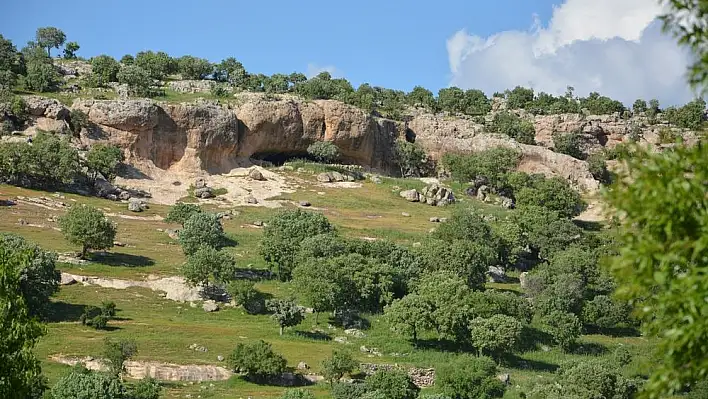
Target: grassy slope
{"x":164,"y":329}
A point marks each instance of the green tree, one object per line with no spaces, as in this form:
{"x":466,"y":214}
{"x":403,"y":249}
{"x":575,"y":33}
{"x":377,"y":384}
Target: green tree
{"x":451,"y":99}
{"x":409,"y":316}
{"x":138,"y":80}
{"x":158,"y":65}
{"x":201,"y":230}
{"x":9,"y":64}
{"x":596,"y":104}
{"x":468,"y":377}
{"x":232,"y":71}
{"x":313,"y":279}
{"x":323,"y":151}
{"x":447,"y":294}
{"x":662,"y":257}
{"x":208,"y":264}
{"x":565,"y":328}
{"x":87,"y":226}
{"x":393,"y":384}
{"x":244,"y":293}
{"x":568,"y":144}
{"x":497,"y":334}
{"x":519,"y":97}
{"x":285,"y":312}
{"x":690,"y":116}
{"x":127,"y":60}
{"x":104,"y":69}
{"x":117,"y":353}
{"x":181,"y":212}
{"x":598,"y":167}
{"x":588,"y":379}
{"x":412,"y":159}
{"x":334,"y":367}
{"x":492,"y":165}
{"x":284,"y":234}
{"x":491,"y":302}
{"x":50,"y":37}
{"x":70,"y":50}
{"x":194,"y":68}
{"x":84,"y":384}
{"x":421,"y":97}
{"x":20,"y":370}
{"x":684,"y":20}
{"x":297,"y":394}
{"x":39,"y":279}
{"x":257,"y":360}
{"x":41,"y":75}
{"x":103,"y":159}
{"x":476,"y":103}
{"x":640,"y":106}
{"x":554,"y":194}
{"x":605,"y":312}
{"x":77,"y":121}
{"x":466,"y":258}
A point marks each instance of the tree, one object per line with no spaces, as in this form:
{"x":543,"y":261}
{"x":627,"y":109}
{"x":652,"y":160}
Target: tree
{"x":690,"y":116}
{"x":158,"y":65}
{"x":568,"y":144}
{"x":605,"y":312}
{"x":147,"y":388}
{"x":84,"y":384}
{"x":323,"y":151}
{"x":596,"y":104}
{"x":597,"y":165}
{"x":555,"y":194}
{"x":662,"y":257}
{"x":257,"y":360}
{"x":565,"y":328}
{"x":588,"y":379}
{"x":421,"y":96}
{"x":491,"y":165}
{"x":476,"y":103}
{"x":393,"y":384}
{"x":412,"y":159}
{"x":447,"y":294}
{"x":284,"y":234}
{"x":20,"y":372}
{"x":41,"y":75}
{"x":468,"y":259}
{"x":519,"y":97}
{"x":181,"y":212}
{"x":684,"y":20}
{"x":451,"y":99}
{"x":244,"y":293}
{"x":467,"y":377}
{"x":491,"y":302}
{"x":70,"y":50}
{"x":103,"y":159}
{"x":117,"y":353}
{"x":104,"y":69}
{"x":297,"y":394}
{"x":96,"y":317}
{"x":127,"y":60}
{"x":640,"y":106}
{"x":285,"y":312}
{"x":39,"y":279}
{"x":409,"y":316}
{"x":77,"y":121}
{"x":194,"y":68}
{"x":497,"y":334}
{"x":50,"y":37}
{"x":9,"y":64}
{"x":201,"y":230}
{"x":208,"y":263}
{"x":49,"y":161}
{"x":334,"y":367}
{"x":138,"y":79}
{"x":232,"y":71}
{"x":313,"y":279}
{"x":87,"y":226}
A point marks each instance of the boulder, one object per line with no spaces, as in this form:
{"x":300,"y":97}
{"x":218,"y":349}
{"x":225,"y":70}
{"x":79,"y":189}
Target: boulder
{"x":124,"y":196}
{"x":405,"y":214}
{"x":435,"y":219}
{"x":376,"y":179}
{"x":256,"y":174}
{"x":496,"y":274}
{"x":340,"y":340}
{"x":220,"y":358}
{"x":302,"y":366}
{"x":204,"y":193}
{"x":354,"y":332}
{"x":336,"y":176}
{"x":67,"y":279}
{"x":136,"y":205}
{"x":410,"y":195}
{"x":251,"y":200}
{"x":172,"y":233}
{"x":200,"y":183}
{"x":437,"y":195}
{"x":210,"y":306}
{"x":504,"y":378}
{"x":507,"y":203}
{"x":324,"y":178}
{"x":482,"y":192}
{"x":305,"y":203}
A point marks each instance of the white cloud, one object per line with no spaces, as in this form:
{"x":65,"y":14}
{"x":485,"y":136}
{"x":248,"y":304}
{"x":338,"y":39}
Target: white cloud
{"x":615,"y":47}
{"x":314,"y":70}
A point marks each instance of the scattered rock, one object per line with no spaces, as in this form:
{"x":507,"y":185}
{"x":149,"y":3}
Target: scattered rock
{"x":435,"y":219}
{"x":118,"y":244}
{"x":482,"y":193}
{"x":504,"y":378}
{"x":67,"y":279}
{"x":507,"y":203}
{"x":124,"y":196}
{"x":198,"y":348}
{"x":496,"y":274}
{"x":303,"y":366}
{"x":376,"y":179}
{"x":200,"y":183}
{"x":371,"y":351}
{"x":341,"y":340}
{"x":172,"y":233}
{"x":251,"y":200}
{"x":324,"y":178}
{"x":305,"y":203}
{"x":204,"y":193}
{"x":220,"y":358}
{"x":256,"y":174}
{"x":437,"y":195}
{"x":405,"y":214}
{"x":258,"y":223}
{"x":410,"y":195}
{"x":210,"y":306}
{"x":355,"y":333}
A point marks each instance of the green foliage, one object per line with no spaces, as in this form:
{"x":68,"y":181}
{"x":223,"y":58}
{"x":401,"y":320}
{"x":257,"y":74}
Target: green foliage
{"x":96,"y":317}
{"x":554,"y":194}
{"x":41,"y":75}
{"x":104,"y":69}
{"x":232,"y":71}
{"x":87,"y":226}
{"x":244,"y":293}
{"x":565,"y":328}
{"x":70,"y":50}
{"x":297,"y":394}
{"x":39,"y":279}
{"x":489,"y":303}
{"x":492,"y":164}
{"x":598,"y":167}
{"x":410,"y":316}
{"x":596,"y":104}
{"x":50,"y":37}
{"x":684,"y":20}
{"x":138,"y":80}
{"x":497,"y":334}
{"x":285,"y":312}
{"x":604,"y":312}
{"x":103,"y":159}
{"x":470,"y":102}
{"x":48,"y":162}
{"x":412,"y":159}
{"x":201,"y":230}
{"x":323,"y":151}
{"x":467,"y":377}
{"x":547,"y":104}
{"x":319,"y":288}
{"x":208,"y":264}
{"x":19,"y":368}
{"x":323,"y":87}
{"x":519,"y":97}
{"x":284,"y":234}
{"x":447,"y":294}
{"x":194,"y":68}
{"x":117,"y":352}
{"x":568,"y":144}
{"x":662,"y":257}
{"x":219,"y":90}
{"x":341,"y":362}
{"x":511,"y":125}
{"x":257,"y":360}
{"x":393,"y":384}
{"x":588,"y":379}
{"x":640,"y":106}
{"x":9,"y":64}
{"x":84,"y":384}
{"x":544,"y":231}
{"x":690,"y":116}
{"x":147,"y":388}
{"x":181,"y":212}
{"x":78,"y":120}
{"x":343,"y":390}
{"x":467,"y":258}
{"x":698,"y":390}
{"x":421,"y":97}
{"x":127,"y":59}
{"x":158,"y":65}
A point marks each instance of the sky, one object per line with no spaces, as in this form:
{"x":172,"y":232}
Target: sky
{"x":614,"y":47}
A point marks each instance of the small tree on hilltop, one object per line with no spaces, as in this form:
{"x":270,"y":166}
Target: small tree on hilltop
{"x":117,"y":353}
{"x":285,"y":312}
{"x":257,"y":360}
{"x":87,"y":226}
{"x":335,"y":366}
{"x":104,"y":69}
{"x":138,"y":80}
{"x":103,"y":159}
{"x":70,"y":50}
{"x":323,"y":151}
{"x":50,"y":37}
{"x":496,"y":334}
{"x":207,"y":264}
{"x":181,"y":212}
{"x":201,"y":229}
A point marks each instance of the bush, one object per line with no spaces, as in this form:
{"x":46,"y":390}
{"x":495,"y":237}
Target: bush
{"x":104,"y":69}
{"x":208,"y":263}
{"x":147,"y":388}
{"x":41,"y":75}
{"x":589,"y":379}
{"x":87,"y":226}
{"x":138,"y":80}
{"x":323,"y":151}
{"x":78,"y":120}
{"x":519,"y":97}
{"x":392,"y":384}
{"x":194,"y":68}
{"x":640,"y":106}
{"x":343,"y":390}
{"x":497,"y":334}
{"x":601,"y":105}
{"x":244,"y":293}
{"x":410,"y":315}
{"x":469,"y":378}
{"x":297,"y":394}
{"x":568,"y":144}
{"x":96,"y":317}
{"x":544,"y":231}
{"x":117,"y":353}
{"x":690,"y":116}
{"x":48,"y":162}
{"x":103,"y":159}
{"x":554,"y":194}
{"x":257,"y":360}
{"x":285,"y":312}
{"x":468,"y":259}
{"x":488,"y":303}
{"x":412,"y":160}
{"x":492,"y":164}
{"x":158,"y":65}
{"x":337,"y":365}
{"x":181,"y":212}
{"x":201,"y":230}
{"x":84,"y":384}
{"x":603,"y":312}
{"x":598,"y":167}
{"x":565,"y":328}
{"x":219,"y":90}
{"x":511,"y":125}
{"x":284,"y":234}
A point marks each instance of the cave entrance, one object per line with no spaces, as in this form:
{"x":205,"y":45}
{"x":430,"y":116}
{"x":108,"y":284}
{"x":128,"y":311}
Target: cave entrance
{"x":278,"y":158}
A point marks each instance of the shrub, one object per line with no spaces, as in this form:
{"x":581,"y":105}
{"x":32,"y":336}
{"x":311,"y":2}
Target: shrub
{"x":181,"y":212}
{"x":323,"y":151}
{"x":297,"y":394}
{"x":84,"y":384}
{"x":497,"y":334}
{"x":201,"y":230}
{"x":343,"y":390}
{"x":554,"y":194}
{"x":392,"y":384}
{"x":565,"y":328}
{"x":104,"y":69}
{"x":147,"y":388}
{"x":96,"y":317}
{"x":410,"y":315}
{"x":690,"y":116}
{"x":284,"y":234}
{"x":492,"y":164}
{"x":568,"y":144}
{"x":103,"y":159}
{"x":519,"y":97}
{"x":469,"y":378}
{"x":598,"y":168}
{"x":488,"y":303}
{"x":138,"y":80}
{"x":257,"y":360}
{"x":41,"y":75}
{"x":589,"y":379}
{"x":601,"y":105}
{"x":117,"y":352}
{"x":194,"y":68}
{"x":244,"y":293}
{"x":78,"y":120}
{"x":335,"y":366}
{"x":285,"y":312}
{"x":412,"y":160}
{"x":511,"y":125}
{"x":640,"y":106}
{"x":127,"y":59}
{"x":208,"y":263}
{"x":219,"y":90}
{"x":48,"y":162}
{"x":604,"y":312}
{"x":87,"y":226}
{"x":468,"y":259}
{"x":158,"y":65}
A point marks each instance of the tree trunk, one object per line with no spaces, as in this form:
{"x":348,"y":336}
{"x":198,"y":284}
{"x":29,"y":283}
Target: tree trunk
{"x":281,"y":330}
{"x":84,"y":250}
{"x":317,"y":315}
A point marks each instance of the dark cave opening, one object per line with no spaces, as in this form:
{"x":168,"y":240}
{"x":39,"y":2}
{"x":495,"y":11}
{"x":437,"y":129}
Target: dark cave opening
{"x":278,"y":158}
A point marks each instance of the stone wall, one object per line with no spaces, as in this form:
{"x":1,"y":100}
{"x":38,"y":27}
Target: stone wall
{"x":422,"y":377}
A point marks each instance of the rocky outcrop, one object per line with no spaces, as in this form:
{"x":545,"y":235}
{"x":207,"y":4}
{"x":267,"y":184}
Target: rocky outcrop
{"x":47,"y":114}
{"x":191,"y":86}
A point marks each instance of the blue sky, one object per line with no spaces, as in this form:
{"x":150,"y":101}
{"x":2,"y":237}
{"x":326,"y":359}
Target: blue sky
{"x":611,"y":46}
